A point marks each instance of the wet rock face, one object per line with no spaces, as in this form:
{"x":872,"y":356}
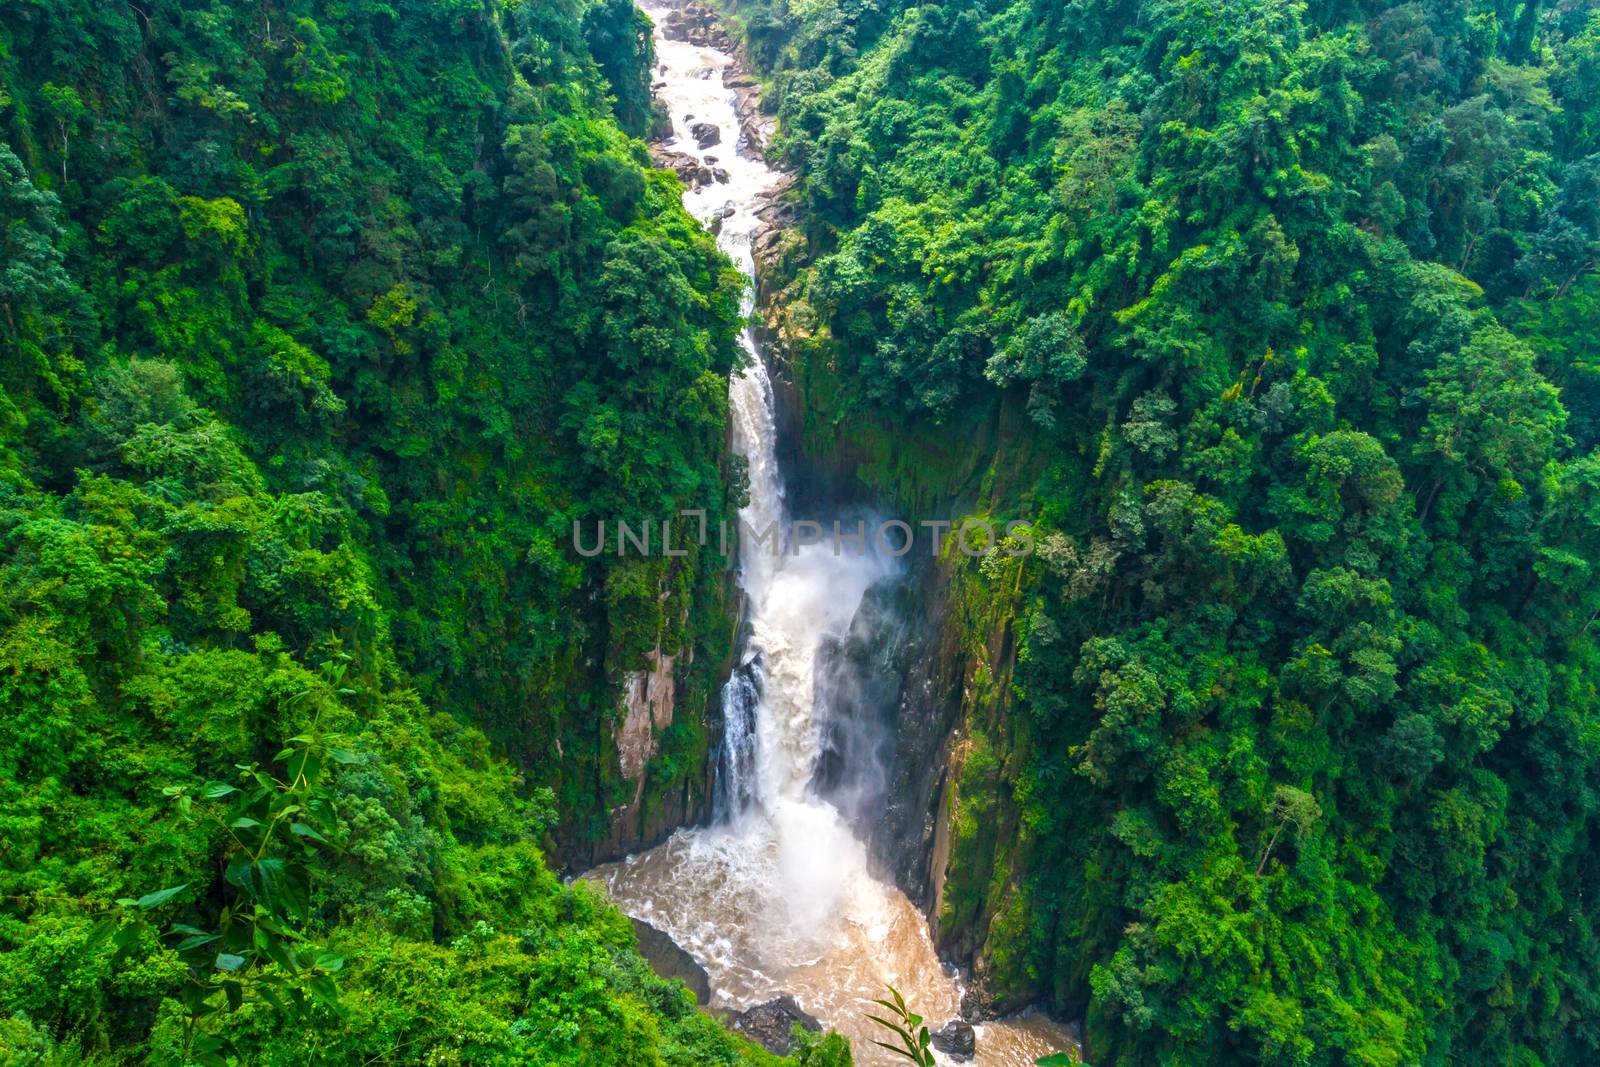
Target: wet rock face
{"x":858,"y":682}
{"x":769,"y":1025}
{"x":977,"y":1005}
{"x":775,"y":239}
{"x":650,"y":697}
{"x":956,"y":1039}
{"x":667,"y":959}
{"x":649,"y":704}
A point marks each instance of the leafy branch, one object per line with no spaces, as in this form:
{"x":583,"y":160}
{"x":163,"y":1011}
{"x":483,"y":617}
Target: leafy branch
{"x":275,"y":828}
{"x":912,"y":1039}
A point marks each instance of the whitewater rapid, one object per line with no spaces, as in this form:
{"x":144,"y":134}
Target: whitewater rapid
{"x":780,"y":896}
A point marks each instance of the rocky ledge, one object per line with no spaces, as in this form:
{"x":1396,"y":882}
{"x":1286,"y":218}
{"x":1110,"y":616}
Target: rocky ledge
{"x":691,"y":171}
{"x":668,"y":959}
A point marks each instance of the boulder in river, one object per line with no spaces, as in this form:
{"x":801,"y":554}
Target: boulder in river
{"x":705,"y":134}
{"x":770,"y":1025}
{"x":956,"y":1039}
{"x":669,"y":960}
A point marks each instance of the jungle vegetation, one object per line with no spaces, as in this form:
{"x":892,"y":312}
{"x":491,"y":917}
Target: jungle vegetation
{"x":320,"y":322}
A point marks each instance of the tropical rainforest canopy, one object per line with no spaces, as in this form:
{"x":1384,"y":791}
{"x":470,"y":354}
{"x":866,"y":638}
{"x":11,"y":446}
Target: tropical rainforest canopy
{"x":321,"y":321}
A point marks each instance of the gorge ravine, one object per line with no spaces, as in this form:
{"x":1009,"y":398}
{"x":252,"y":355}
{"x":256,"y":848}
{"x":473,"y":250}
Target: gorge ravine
{"x":780,"y":895}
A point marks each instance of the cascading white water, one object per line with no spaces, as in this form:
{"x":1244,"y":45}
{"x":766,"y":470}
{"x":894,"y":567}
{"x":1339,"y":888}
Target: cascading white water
{"x":779,"y":896}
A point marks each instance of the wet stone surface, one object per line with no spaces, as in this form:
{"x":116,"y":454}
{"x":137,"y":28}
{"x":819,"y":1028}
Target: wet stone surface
{"x":771,"y":1025}
{"x":956,"y":1039}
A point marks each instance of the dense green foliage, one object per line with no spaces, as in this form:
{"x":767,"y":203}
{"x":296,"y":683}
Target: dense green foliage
{"x":1282,"y":749}
{"x":407,"y":270}
{"x":319,"y":325}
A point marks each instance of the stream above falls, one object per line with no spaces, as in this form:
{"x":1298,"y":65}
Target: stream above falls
{"x":779,"y":895}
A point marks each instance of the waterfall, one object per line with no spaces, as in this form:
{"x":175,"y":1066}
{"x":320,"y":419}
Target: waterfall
{"x":797,"y":600}
{"x":734,"y":788}
{"x":778,"y":895}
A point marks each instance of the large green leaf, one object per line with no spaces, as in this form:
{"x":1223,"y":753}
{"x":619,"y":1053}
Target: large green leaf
{"x":272,"y":883}
{"x":160,"y":896}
